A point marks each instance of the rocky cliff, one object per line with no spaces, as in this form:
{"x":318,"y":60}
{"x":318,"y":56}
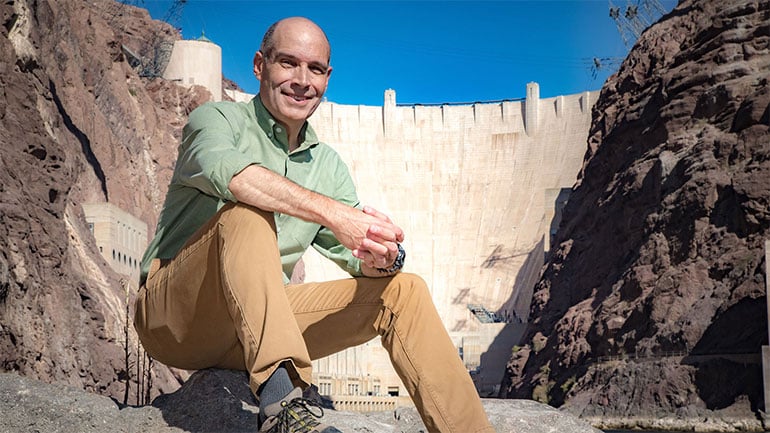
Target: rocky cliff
{"x":653,"y":304}
{"x":79,"y":126}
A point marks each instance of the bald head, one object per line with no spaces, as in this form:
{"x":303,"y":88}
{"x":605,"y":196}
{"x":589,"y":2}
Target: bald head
{"x":293,"y":25}
{"x":293,"y":70}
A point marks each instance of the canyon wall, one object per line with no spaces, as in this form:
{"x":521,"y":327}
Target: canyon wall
{"x":653,"y":302}
{"x":79,"y":126}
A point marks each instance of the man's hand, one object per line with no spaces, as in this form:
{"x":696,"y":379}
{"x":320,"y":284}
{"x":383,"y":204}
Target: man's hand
{"x":379,"y":247}
{"x":370,"y":234}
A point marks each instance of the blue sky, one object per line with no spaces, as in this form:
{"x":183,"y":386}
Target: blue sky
{"x":427,"y":51}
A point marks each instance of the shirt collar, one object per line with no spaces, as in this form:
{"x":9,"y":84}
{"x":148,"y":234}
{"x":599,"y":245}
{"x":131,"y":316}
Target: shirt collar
{"x":277,"y":133}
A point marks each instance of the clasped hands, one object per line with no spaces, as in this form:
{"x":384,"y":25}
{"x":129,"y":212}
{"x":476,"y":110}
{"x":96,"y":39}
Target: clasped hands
{"x":372,"y":237}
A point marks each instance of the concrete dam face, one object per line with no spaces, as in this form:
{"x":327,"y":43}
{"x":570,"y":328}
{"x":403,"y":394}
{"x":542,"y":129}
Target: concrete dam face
{"x":478,"y":190}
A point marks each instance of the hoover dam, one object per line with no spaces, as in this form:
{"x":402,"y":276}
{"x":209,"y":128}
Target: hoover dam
{"x":478,"y":190}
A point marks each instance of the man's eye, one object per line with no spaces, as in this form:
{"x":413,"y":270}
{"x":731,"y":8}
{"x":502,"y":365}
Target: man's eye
{"x":287,"y":63}
{"x":318,"y":70}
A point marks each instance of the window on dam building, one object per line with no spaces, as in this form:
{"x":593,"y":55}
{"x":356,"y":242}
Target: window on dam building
{"x":120,"y":237}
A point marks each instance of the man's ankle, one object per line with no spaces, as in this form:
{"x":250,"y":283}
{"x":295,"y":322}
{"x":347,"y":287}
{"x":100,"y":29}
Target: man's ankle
{"x":275,"y":389}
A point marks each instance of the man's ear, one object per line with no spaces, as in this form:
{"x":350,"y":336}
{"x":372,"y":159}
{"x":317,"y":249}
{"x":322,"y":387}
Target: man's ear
{"x":259,"y":63}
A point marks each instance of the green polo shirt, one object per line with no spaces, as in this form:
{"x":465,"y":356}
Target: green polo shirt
{"x":221,"y":139}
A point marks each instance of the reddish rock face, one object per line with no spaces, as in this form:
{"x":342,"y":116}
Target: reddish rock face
{"x":654,"y":301}
{"x":78,"y":125}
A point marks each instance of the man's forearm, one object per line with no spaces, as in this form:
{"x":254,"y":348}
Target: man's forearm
{"x":262,"y":188}
{"x":369,"y":234}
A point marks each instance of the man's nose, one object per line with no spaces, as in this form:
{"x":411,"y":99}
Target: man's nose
{"x":302,"y":75}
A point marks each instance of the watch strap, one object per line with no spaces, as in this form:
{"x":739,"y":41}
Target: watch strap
{"x":397,"y":264}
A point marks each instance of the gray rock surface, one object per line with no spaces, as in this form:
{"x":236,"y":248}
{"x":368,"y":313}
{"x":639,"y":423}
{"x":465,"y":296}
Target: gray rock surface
{"x":220,"y":401}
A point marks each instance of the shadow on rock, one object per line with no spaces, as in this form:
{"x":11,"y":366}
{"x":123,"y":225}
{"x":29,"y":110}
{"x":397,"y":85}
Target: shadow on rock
{"x":221,"y":401}
{"x":211,"y":400}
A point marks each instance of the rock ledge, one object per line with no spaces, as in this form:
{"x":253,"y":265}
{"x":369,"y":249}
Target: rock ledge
{"x":220,"y":401}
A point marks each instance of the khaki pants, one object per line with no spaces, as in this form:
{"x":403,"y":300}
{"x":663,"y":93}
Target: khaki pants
{"x":221,"y":302}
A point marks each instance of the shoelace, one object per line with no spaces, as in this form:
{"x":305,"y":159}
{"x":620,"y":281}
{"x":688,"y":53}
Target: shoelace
{"x":298,"y":417}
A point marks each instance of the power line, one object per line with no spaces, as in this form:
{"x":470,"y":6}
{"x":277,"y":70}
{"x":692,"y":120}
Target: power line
{"x":637,"y":15}
{"x":604,"y":63}
{"x":631,"y":21}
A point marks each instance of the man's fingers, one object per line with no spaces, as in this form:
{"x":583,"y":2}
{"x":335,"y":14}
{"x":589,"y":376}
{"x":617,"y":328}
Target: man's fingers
{"x":373,"y":225}
{"x":385,"y":234}
{"x":375,"y":213}
{"x":377,"y":253}
{"x":372,"y":260}
{"x":398,"y":233}
{"x":377,"y":248}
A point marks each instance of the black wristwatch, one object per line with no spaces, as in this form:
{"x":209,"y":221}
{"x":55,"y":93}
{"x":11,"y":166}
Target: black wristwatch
{"x":397,"y":264}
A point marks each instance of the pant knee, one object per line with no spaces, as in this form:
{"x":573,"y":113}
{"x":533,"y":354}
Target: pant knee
{"x":244,"y":216}
{"x":247,"y":230}
{"x":413,"y":282}
{"x":408,"y":291}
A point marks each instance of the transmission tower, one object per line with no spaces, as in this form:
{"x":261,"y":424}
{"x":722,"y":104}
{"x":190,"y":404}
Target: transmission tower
{"x":602,"y":63}
{"x":631,"y":20}
{"x":636,"y":16}
{"x":174,"y":13}
{"x":158,"y":49}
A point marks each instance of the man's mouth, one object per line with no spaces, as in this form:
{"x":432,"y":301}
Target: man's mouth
{"x":298,"y":98}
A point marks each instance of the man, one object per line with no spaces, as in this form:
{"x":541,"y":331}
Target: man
{"x":252,"y":189}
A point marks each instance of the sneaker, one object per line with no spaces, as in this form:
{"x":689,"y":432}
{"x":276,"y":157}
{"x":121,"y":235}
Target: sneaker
{"x":295,"y":414}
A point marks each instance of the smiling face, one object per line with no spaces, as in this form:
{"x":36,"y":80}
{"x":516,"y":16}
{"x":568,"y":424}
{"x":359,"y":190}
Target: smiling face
{"x":293,"y":72}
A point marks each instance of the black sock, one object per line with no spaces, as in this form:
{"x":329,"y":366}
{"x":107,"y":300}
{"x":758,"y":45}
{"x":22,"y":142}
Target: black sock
{"x":277,"y":386}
